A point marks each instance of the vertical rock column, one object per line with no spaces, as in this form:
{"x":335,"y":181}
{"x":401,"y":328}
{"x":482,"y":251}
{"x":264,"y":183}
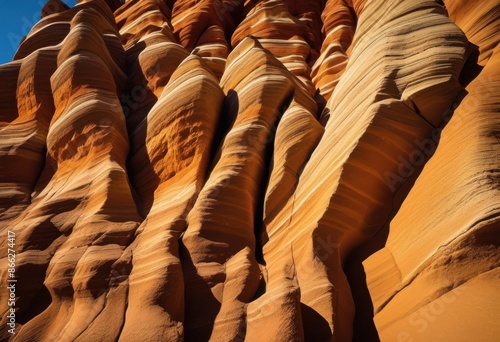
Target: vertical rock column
{"x":179,"y":132}
{"x":17,"y":132}
{"x":441,"y":259}
{"x":377,"y":111}
{"x":276,"y":314}
{"x":221,"y":273}
{"x":152,"y":56}
{"x":83,"y":206}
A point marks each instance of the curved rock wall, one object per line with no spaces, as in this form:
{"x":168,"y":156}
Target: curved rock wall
{"x":251,"y":170}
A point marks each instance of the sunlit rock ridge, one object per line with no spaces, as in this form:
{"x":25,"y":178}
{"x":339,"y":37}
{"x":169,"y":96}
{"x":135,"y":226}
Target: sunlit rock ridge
{"x":245,"y":170}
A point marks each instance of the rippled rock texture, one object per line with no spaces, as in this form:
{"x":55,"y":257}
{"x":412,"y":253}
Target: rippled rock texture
{"x":274,"y":170}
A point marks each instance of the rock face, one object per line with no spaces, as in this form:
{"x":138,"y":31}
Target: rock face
{"x":251,"y":170}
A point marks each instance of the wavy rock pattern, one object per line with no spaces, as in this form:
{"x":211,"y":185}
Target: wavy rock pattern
{"x":443,"y":260}
{"x":269,"y":170}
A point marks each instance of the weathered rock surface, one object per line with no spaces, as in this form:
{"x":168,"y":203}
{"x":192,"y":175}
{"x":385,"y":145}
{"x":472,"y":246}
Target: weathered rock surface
{"x":267,"y":170}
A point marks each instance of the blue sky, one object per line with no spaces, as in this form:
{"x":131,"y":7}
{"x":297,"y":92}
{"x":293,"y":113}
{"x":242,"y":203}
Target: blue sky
{"x":16,"y":19}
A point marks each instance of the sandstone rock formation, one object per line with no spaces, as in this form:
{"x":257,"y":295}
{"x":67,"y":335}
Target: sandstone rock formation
{"x":273,"y":170}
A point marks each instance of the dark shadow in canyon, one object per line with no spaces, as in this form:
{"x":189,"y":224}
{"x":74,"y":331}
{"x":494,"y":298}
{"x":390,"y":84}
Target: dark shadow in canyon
{"x":137,"y":100}
{"x":311,"y":318}
{"x":260,"y":232}
{"x":209,"y":307}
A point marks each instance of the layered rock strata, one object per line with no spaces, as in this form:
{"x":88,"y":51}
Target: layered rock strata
{"x":267,"y":170}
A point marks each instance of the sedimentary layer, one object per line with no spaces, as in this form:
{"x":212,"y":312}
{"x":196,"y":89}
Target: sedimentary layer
{"x":267,"y":170}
